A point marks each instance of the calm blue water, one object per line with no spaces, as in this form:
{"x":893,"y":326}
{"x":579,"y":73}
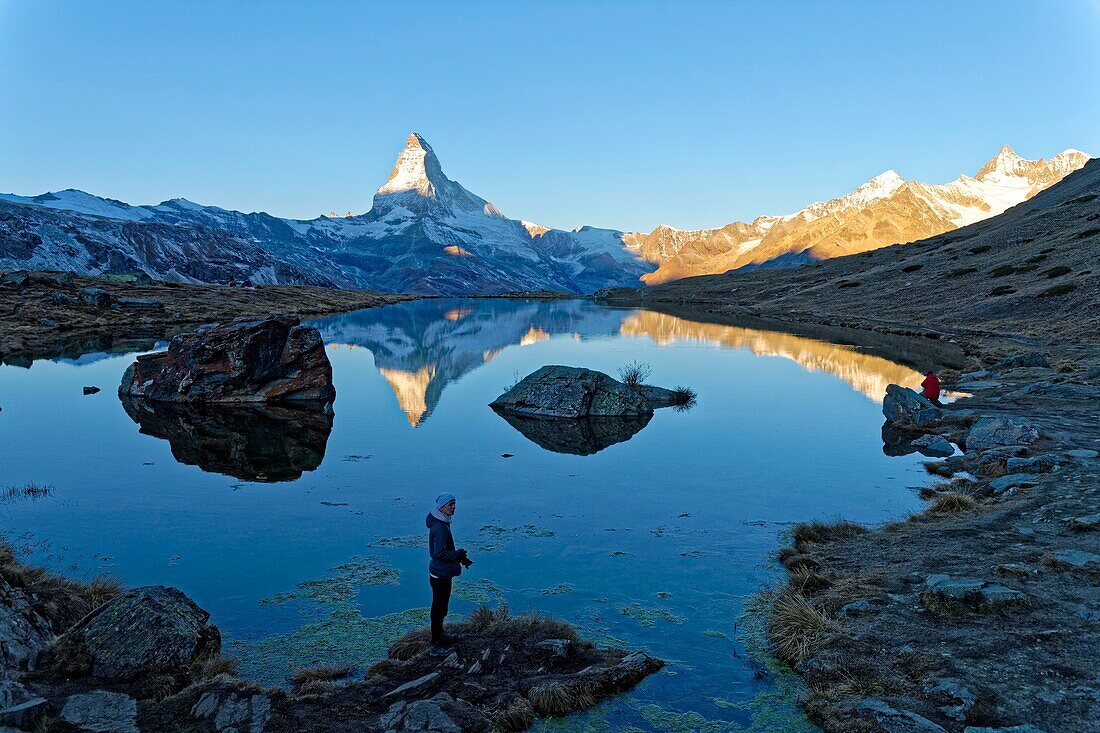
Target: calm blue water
{"x":657,"y":542}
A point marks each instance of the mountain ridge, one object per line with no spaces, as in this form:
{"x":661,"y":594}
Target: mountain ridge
{"x":427,"y":234}
{"x":887,"y":209}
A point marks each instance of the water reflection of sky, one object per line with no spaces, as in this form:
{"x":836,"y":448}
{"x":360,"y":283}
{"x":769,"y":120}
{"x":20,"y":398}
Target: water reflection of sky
{"x":657,"y":541}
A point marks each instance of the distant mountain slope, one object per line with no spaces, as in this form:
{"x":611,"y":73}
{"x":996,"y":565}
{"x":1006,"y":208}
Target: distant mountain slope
{"x":1030,"y":270}
{"x":885,"y":210}
{"x":425,"y":234}
{"x":40,"y":238}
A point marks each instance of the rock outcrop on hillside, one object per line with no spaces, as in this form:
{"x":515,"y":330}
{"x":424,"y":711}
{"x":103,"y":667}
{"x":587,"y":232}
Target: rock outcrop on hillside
{"x":271,"y":360}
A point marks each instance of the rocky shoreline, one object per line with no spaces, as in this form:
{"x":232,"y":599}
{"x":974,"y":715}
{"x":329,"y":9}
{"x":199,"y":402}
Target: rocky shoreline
{"x":148,"y":659}
{"x":981,"y":613}
{"x":50,"y":314}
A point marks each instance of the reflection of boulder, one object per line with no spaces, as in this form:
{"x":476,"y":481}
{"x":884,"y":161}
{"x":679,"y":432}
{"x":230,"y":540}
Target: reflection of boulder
{"x":253,"y":443}
{"x":582,"y":436}
{"x":269,"y":360}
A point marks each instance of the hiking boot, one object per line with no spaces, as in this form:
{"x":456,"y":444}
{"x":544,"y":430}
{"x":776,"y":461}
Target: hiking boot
{"x":438,"y":650}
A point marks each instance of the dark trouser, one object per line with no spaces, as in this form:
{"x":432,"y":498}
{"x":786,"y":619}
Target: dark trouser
{"x":441,"y":598}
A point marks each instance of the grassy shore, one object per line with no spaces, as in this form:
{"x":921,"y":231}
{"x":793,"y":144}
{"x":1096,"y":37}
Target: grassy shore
{"x":52,"y":314}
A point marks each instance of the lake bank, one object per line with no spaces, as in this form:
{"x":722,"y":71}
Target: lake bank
{"x":50,"y":314}
{"x":895,"y":654}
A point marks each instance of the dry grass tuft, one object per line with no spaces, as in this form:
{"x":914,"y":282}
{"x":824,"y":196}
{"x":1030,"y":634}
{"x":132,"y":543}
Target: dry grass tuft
{"x":816,"y":532}
{"x":158,"y":687}
{"x":213,"y":667}
{"x":515,"y":715}
{"x":550,"y":699}
{"x":409,"y":646}
{"x":322,"y":673}
{"x":953,"y":503}
{"x":809,"y":581}
{"x":101,"y":589}
{"x":794,"y":625}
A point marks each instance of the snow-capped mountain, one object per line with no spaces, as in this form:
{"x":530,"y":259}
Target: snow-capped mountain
{"x":424,"y":234}
{"x":885,"y":210}
{"x":427,"y":234}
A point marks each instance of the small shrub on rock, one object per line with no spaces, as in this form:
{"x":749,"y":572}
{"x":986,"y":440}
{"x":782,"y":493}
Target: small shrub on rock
{"x":635,"y":373}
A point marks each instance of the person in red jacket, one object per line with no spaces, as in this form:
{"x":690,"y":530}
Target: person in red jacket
{"x":930,"y":388}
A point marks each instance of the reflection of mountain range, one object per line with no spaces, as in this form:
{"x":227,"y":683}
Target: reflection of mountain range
{"x":866,"y":373}
{"x":422,"y":346}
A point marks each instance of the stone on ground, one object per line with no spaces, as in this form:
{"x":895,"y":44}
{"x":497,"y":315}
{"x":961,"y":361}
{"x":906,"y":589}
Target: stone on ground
{"x":141,"y":632}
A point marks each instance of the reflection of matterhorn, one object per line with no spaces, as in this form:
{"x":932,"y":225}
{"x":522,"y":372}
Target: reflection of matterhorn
{"x":421,"y":347}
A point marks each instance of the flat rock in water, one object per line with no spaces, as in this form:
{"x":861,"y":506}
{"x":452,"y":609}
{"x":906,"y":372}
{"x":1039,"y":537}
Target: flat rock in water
{"x":572,"y":392}
{"x":274,"y":359}
{"x":934,"y":446}
{"x":141,"y":632}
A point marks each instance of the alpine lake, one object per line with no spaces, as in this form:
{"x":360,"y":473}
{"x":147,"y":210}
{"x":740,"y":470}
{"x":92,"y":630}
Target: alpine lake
{"x":303,"y":533}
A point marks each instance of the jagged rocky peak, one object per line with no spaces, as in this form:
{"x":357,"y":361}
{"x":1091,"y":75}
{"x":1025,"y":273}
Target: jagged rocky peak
{"x":417,"y":169}
{"x":417,"y":185}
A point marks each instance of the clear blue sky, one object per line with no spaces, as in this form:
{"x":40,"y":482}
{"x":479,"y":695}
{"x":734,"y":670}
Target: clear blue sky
{"x":619,"y":114}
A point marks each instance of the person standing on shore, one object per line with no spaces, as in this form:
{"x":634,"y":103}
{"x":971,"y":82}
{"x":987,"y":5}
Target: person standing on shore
{"x":445,"y":565}
{"x":930,"y":388}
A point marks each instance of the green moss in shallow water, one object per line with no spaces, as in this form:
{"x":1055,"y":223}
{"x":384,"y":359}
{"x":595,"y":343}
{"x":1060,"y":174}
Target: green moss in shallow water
{"x":558,"y":590}
{"x":344,"y":584}
{"x":648,"y":617}
{"x":345,"y":637}
{"x":481,"y":591}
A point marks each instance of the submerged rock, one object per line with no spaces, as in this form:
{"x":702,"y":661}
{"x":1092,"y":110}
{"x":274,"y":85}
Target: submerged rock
{"x":934,"y":446}
{"x":275,"y":359}
{"x":141,"y":632}
{"x":267,"y":443}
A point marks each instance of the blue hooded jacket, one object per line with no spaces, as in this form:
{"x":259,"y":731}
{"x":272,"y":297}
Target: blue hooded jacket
{"x":441,"y":546}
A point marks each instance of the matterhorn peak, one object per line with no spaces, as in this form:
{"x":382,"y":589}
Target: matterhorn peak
{"x":417,"y":169}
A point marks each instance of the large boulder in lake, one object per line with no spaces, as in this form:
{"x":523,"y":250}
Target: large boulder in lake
{"x":274,"y":359}
{"x":153,"y":630}
{"x":572,"y":392}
